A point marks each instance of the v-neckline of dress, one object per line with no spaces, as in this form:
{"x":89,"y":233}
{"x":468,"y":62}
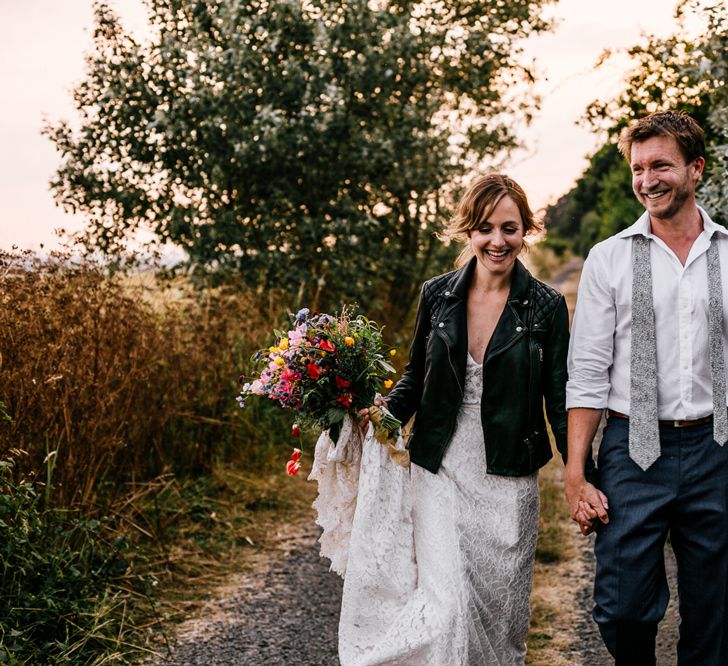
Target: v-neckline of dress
{"x":474,"y":362}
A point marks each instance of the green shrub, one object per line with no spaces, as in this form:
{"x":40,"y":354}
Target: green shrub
{"x":60,"y":600}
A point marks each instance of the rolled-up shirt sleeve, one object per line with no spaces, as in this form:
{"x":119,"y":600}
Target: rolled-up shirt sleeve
{"x":591,"y":345}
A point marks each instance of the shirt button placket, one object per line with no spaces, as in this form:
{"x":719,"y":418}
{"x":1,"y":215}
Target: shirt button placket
{"x":685,"y":331}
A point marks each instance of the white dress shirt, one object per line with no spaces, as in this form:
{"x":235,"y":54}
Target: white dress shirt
{"x":599,"y":349}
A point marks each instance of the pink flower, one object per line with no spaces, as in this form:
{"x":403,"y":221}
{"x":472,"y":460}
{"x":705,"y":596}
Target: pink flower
{"x":295,"y":338}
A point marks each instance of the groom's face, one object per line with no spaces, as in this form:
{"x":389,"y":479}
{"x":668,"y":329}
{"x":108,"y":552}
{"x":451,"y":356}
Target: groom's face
{"x":663,"y":182}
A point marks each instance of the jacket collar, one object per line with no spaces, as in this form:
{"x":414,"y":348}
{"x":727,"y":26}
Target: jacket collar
{"x":459,"y":283}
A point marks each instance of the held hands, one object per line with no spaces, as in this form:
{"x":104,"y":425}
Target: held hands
{"x":587,"y":504}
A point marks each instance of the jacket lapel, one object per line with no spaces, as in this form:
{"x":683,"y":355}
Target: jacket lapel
{"x":453,"y":316}
{"x":510,"y":326}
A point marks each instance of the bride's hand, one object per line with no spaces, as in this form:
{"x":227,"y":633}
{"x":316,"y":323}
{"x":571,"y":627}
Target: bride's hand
{"x":364,"y":418}
{"x":379,"y":401}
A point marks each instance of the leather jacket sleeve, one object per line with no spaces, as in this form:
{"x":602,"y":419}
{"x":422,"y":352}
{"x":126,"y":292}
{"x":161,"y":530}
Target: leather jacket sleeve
{"x":404,"y":399}
{"x":554,"y":374}
{"x":554,"y":385}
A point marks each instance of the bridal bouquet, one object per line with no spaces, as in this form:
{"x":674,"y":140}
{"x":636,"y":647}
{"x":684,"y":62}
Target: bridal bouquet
{"x":326,"y":367}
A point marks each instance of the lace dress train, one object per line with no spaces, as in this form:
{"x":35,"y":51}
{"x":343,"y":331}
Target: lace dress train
{"x":438,"y":567}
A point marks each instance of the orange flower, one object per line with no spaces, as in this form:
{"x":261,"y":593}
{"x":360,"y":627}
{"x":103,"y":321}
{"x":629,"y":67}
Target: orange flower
{"x":349,"y":342}
{"x":388,"y":383}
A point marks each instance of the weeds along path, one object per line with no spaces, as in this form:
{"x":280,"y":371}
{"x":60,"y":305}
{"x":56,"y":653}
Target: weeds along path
{"x":284,"y":609}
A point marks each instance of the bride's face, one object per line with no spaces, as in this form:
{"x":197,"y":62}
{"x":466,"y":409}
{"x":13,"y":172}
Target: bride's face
{"x":499,"y":239}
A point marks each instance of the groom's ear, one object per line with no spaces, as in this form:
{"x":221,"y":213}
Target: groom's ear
{"x":698,"y":165}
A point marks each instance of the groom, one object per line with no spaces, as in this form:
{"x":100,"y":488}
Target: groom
{"x":649,"y":345}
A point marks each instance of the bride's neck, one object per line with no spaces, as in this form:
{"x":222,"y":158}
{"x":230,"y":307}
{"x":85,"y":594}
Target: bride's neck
{"x":487,"y":283}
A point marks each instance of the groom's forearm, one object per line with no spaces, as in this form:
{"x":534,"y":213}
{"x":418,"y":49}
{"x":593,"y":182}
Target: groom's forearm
{"x":582,"y":427}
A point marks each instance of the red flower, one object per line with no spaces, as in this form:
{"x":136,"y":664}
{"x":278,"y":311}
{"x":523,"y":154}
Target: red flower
{"x":292,"y":467}
{"x":345,"y":399}
{"x":326,"y":345}
{"x":313,"y":370}
{"x":296,"y":455}
{"x":295,"y":430}
{"x":342,"y":383}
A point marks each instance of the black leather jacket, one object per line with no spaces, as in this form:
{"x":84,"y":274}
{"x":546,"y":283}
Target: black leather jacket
{"x":525,"y":364}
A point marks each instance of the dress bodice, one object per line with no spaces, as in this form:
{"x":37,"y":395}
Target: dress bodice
{"x":473,"y":382}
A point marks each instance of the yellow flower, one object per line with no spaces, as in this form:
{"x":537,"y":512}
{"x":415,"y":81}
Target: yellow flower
{"x":392,"y":352}
{"x":273,"y":350}
{"x":279,"y":361}
{"x":388,"y":383}
{"x":283,"y":344}
{"x":349,"y":341}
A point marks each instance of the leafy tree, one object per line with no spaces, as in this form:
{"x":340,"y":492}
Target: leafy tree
{"x":314,"y":144}
{"x":600,"y":204}
{"x":672,"y":73}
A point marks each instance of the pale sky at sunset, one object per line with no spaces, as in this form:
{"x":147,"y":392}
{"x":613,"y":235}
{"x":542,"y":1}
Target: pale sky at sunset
{"x":42,"y":43}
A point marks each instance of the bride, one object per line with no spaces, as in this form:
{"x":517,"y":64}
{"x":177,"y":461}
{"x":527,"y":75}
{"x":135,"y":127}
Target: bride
{"x":438,"y":557}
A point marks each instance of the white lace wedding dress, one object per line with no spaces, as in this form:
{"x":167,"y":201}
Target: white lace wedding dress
{"x":437,"y":567}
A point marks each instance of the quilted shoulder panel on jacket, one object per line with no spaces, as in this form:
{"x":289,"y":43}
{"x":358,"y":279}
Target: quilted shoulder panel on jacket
{"x":545,"y":299}
{"x":434,"y":292}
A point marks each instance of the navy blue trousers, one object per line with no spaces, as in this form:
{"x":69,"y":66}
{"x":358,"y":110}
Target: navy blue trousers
{"x":683,"y":494}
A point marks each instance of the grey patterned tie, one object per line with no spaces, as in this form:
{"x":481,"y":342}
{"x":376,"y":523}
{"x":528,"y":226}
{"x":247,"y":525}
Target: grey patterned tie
{"x":715,"y":339}
{"x":644,"y":431}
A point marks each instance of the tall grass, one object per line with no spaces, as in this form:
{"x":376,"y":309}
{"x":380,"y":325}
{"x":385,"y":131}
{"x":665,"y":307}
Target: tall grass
{"x":119,"y":383}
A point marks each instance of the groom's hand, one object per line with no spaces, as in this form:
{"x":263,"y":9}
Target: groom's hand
{"x":587,"y":504}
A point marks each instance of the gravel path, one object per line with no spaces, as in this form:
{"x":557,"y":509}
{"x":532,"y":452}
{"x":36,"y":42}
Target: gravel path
{"x":286,"y":614}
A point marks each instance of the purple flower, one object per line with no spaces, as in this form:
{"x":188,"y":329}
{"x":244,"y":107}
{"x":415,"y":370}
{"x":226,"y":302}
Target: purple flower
{"x":302,"y":314}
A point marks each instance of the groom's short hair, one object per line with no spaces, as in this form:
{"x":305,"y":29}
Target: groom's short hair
{"x":680,"y":126}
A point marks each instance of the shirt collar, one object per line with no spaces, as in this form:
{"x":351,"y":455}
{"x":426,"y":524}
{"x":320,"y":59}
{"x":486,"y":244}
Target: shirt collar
{"x":642,"y":227}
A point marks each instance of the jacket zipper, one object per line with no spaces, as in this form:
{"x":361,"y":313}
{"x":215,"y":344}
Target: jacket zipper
{"x":446,"y":339}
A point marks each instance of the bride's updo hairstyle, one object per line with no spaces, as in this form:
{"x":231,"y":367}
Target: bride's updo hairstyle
{"x":476,"y":206}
